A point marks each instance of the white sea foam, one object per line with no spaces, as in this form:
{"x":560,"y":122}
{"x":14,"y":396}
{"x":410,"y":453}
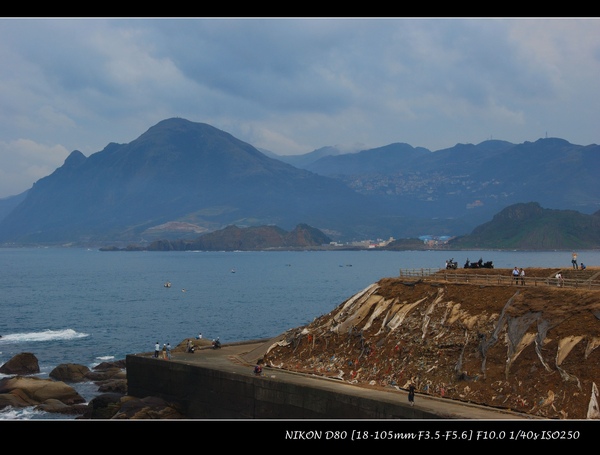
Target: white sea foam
{"x":106,"y":358}
{"x":29,"y":413}
{"x":46,"y":335}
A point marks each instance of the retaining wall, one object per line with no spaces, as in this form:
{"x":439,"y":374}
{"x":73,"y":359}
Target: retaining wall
{"x":207,"y":393}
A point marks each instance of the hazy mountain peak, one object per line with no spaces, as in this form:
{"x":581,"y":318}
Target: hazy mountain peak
{"x":74,"y":159}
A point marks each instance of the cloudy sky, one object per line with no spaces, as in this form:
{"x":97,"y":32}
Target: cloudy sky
{"x":292,"y":85}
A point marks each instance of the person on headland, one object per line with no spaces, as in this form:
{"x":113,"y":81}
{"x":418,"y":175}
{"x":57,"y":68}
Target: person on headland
{"x":168,"y":351}
{"x":190,"y":347}
{"x":516,"y":274}
{"x":164,"y":351}
{"x":199,"y":337}
{"x":574,"y":260}
{"x":522,"y":275}
{"x":156,"y":350}
{"x":582,"y":266}
{"x":559,"y":279}
{"x":411,"y":394}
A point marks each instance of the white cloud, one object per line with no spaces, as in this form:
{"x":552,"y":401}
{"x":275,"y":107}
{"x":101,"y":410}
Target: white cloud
{"x":24,"y":162}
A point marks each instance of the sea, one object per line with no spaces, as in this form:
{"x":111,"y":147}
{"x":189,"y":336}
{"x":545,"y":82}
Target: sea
{"x":86,"y":306}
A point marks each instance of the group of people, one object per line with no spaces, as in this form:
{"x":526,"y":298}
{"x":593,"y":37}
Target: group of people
{"x":166,"y":351}
{"x":519,"y":275}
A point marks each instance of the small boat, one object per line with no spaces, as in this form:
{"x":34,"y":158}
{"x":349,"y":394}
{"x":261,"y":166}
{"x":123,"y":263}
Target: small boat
{"x":232,"y":270}
{"x":167,"y":284}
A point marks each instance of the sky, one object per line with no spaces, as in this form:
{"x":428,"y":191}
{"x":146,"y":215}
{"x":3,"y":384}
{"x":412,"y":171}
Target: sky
{"x":292,"y":85}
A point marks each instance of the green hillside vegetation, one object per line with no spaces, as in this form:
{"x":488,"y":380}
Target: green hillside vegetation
{"x":528,"y":226}
{"x":234,"y":238}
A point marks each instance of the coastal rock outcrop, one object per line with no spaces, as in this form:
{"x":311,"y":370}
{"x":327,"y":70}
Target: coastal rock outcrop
{"x":19,"y":391}
{"x":459,"y":335}
{"x":148,"y":408}
{"x":54,"y":395}
{"x":24,"y":363}
{"x":70,"y":372}
{"x":113,"y":385}
{"x":58,"y":407}
{"x":110,"y":377}
{"x":118,"y":406}
{"x":105,"y":373}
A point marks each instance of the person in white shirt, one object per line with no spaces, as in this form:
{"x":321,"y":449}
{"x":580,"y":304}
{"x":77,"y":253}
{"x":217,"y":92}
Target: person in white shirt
{"x":515,"y":274}
{"x":559,"y":279}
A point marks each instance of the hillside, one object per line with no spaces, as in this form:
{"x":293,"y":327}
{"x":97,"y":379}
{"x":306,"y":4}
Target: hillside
{"x":528,"y":348}
{"x":177,"y":172}
{"x":234,"y":238}
{"x":528,"y":226}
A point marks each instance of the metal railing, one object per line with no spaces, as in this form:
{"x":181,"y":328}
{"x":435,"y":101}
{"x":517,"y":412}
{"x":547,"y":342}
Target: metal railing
{"x":499,"y":280}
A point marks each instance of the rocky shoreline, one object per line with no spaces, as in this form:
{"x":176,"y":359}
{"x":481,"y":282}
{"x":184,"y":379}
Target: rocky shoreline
{"x":57,"y":394}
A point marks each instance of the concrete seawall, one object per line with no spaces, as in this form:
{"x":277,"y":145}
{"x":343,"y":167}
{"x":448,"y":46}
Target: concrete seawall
{"x":207,"y":393}
{"x":220,"y":384}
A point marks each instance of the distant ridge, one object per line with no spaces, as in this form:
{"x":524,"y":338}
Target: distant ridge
{"x":234,"y":238}
{"x":182,"y":178}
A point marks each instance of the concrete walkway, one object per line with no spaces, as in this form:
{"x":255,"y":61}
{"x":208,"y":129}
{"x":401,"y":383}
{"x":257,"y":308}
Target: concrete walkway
{"x":240,"y":358}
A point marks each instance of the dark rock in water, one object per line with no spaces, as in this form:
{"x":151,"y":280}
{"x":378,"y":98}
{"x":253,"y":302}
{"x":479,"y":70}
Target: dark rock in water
{"x":117,"y":406}
{"x":148,"y":408}
{"x":113,"y":385}
{"x":108,"y":365}
{"x":111,"y":373}
{"x":23,"y":364}
{"x":103,"y":406}
{"x":58,"y":407}
{"x":70,"y":372}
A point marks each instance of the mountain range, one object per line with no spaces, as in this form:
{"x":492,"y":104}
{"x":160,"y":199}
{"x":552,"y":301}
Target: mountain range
{"x":181,"y":179}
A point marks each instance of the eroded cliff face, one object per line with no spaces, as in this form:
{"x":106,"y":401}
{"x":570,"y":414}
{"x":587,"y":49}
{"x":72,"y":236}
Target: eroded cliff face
{"x":532,"y":349}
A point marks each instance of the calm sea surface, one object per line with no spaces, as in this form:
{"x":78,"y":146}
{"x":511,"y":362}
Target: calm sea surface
{"x":70,"y":305}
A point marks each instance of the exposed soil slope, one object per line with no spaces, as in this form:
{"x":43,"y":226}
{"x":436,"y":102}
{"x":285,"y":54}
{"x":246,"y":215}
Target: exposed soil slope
{"x":528,"y":348}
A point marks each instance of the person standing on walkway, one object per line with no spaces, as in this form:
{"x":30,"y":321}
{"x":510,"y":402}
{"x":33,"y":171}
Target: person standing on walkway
{"x":574,"y":260}
{"x":522,"y":275}
{"x":411,"y":394}
{"x":515,"y":274}
{"x":156,"y":350}
{"x":168,"y":351}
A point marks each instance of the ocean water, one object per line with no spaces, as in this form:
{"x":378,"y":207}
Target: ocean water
{"x":75,"y":305}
